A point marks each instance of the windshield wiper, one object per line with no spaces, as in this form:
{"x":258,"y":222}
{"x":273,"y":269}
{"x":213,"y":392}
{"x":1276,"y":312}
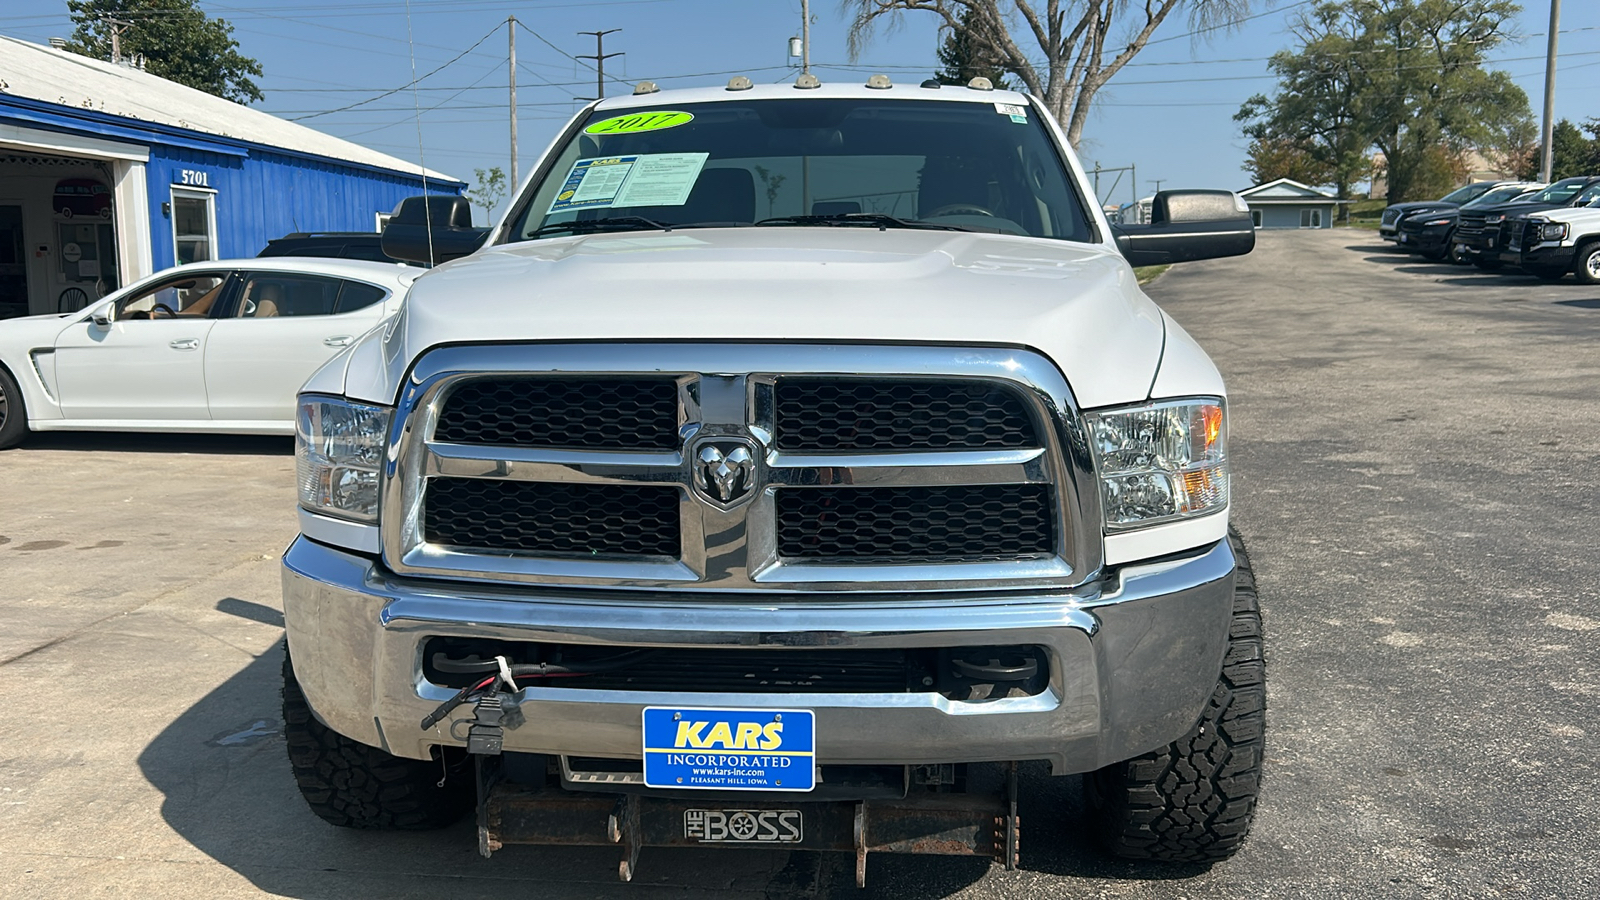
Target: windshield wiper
{"x":611,"y":223}
{"x":882,"y":220}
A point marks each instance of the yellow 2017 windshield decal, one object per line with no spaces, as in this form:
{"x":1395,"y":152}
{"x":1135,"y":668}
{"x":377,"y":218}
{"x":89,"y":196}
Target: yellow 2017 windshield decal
{"x":633,"y":124}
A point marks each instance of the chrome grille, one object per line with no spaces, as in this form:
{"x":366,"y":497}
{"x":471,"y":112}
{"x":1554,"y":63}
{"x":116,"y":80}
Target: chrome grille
{"x":814,"y":414}
{"x":1011,"y":504}
{"x":926,"y":524}
{"x":1389,"y":215}
{"x":585,"y":413}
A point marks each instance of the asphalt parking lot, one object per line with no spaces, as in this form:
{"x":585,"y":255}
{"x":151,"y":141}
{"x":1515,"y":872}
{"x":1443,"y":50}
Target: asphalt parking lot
{"x":1414,"y":448}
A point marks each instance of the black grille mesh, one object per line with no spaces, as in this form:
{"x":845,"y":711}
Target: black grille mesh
{"x":577,"y":413}
{"x":552,"y":519}
{"x":823,"y":415}
{"x":924,"y":524}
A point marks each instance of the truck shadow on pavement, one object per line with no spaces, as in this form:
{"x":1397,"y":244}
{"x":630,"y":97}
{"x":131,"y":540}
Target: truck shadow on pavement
{"x":127,"y":442}
{"x":224,"y":775}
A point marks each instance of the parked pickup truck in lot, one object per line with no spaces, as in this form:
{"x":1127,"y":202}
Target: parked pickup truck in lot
{"x":1552,"y":243}
{"x":1430,"y":232}
{"x":1478,"y":238}
{"x":788,"y":465}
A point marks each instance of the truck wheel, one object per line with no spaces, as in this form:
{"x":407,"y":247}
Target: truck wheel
{"x":352,"y":785}
{"x":13,"y":415}
{"x":1547,"y":275}
{"x":1486,"y":263}
{"x":1586,"y":267}
{"x":1192,"y":800}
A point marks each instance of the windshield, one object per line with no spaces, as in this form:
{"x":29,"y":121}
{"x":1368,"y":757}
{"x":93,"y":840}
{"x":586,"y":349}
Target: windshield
{"x":1471,"y":191}
{"x":1499,"y":195}
{"x":926,"y":163}
{"x":1560,"y":192}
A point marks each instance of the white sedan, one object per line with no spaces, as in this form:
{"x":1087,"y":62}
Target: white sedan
{"x":210,"y":347}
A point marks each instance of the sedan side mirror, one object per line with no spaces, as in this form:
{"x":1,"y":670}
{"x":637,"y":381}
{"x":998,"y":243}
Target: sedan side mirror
{"x":1186,"y":226}
{"x":103,"y":316}
{"x":431,"y":230}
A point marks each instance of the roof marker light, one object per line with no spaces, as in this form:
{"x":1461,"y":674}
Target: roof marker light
{"x":645,"y":87}
{"x":981,"y":84}
{"x":807,"y":81}
{"x":932,"y":83}
{"x":879,"y":82}
{"x":740,"y":83}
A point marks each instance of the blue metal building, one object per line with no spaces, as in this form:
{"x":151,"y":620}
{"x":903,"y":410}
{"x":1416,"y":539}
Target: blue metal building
{"x":108,"y":174}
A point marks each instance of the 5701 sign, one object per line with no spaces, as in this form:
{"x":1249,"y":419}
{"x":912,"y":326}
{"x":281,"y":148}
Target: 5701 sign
{"x":195,"y":177}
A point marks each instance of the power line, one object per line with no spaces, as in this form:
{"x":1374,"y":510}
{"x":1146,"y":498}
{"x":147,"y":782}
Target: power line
{"x":458,"y":56}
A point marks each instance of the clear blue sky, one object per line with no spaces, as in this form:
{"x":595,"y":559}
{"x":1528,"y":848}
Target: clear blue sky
{"x":1169,"y":113}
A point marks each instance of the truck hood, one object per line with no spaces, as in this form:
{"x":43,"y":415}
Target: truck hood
{"x":1078,"y":304}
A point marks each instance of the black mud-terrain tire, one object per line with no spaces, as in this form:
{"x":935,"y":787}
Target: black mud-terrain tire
{"x":1487,"y":263}
{"x":13,"y":412}
{"x":1585,"y":266}
{"x":352,"y":785}
{"x":1192,"y":800}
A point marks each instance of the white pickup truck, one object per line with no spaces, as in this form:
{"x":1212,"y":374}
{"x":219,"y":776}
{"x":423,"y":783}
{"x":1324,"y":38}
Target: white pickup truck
{"x":790,"y":464}
{"x":1552,"y":242}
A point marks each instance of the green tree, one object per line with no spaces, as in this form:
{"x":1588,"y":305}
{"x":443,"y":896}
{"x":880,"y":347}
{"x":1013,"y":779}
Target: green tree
{"x":1406,"y":77}
{"x":1429,"y":92}
{"x":1317,"y":106}
{"x":488,"y":189}
{"x":1271,"y":158}
{"x":178,"y":42}
{"x":964,"y":56}
{"x":1057,"y":49}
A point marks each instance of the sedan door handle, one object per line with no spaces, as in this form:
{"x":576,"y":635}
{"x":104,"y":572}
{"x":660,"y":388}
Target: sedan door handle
{"x":339,"y":340}
{"x":185,"y":344}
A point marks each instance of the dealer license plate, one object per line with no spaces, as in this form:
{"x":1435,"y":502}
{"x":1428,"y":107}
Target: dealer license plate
{"x":744,"y":826}
{"x":729,"y":749}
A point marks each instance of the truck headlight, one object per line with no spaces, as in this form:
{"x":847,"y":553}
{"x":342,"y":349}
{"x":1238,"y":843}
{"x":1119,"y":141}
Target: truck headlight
{"x":1493,"y":219}
{"x":1553,"y":231}
{"x":338,"y":449}
{"x":1160,"y":461}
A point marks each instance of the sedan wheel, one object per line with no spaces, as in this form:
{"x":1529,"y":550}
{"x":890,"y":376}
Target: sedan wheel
{"x":13,"y":419}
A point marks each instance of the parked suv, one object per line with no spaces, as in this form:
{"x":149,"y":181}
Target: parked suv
{"x":330,"y":244}
{"x":1431,"y":232}
{"x":790,"y":464}
{"x":1478,"y":237}
{"x":1388,"y":226}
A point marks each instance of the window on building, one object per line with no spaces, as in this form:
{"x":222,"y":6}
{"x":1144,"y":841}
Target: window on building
{"x":194,"y":226}
{"x":1255,"y":217}
{"x":1310,"y":218}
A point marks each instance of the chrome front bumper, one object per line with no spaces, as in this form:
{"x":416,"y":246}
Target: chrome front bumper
{"x":1133,"y":660}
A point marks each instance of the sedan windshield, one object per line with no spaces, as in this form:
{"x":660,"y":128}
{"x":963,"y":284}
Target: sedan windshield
{"x":1463,"y":194}
{"x":867,"y":163}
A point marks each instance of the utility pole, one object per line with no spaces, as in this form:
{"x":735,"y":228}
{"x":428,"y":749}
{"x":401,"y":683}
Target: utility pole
{"x":1547,"y":157}
{"x":511,"y":31}
{"x":1133,"y":182}
{"x":1157,"y":183}
{"x":600,"y":56}
{"x":805,"y":37}
{"x":117,"y":26}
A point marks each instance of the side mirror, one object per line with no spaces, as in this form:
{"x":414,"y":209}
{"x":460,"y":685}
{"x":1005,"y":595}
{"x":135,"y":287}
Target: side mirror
{"x":103,"y":316}
{"x":432,"y":230}
{"x":1186,"y":226}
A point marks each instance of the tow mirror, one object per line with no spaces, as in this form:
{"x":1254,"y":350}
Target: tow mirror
{"x":1187,"y":226}
{"x":431,"y":230}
